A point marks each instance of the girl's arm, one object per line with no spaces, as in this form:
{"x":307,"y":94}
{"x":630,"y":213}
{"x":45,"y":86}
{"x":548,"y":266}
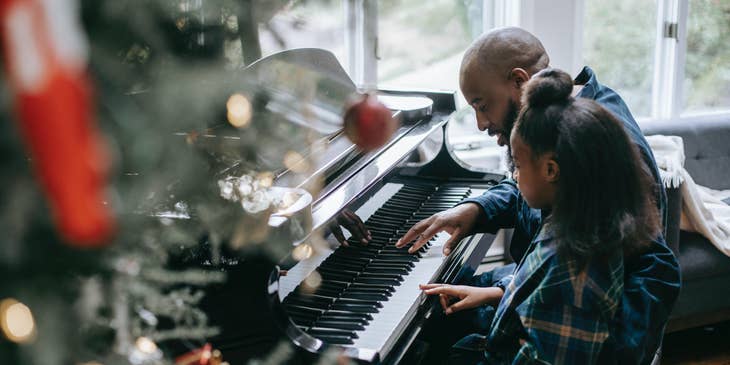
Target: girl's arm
{"x":454,"y":298}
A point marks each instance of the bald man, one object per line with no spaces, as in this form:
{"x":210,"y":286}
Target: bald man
{"x":493,"y":71}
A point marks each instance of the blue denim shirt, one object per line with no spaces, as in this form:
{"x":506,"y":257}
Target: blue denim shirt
{"x":652,"y":279}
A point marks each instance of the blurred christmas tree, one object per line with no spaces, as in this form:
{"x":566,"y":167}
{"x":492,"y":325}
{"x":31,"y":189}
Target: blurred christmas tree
{"x":193,"y":154}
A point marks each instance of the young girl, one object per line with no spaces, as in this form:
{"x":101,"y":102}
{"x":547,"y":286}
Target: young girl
{"x":574,"y":161}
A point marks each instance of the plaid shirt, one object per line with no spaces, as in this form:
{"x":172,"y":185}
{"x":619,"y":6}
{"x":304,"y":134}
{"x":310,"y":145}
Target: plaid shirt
{"x":553,"y":313}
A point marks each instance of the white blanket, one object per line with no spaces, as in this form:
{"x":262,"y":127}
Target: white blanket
{"x":703,"y":210}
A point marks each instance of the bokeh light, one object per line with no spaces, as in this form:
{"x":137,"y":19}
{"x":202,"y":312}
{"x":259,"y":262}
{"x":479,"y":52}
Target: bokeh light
{"x":239,"y":111}
{"x":16,"y":321}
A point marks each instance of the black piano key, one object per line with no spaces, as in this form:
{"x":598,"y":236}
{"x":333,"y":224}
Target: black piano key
{"x":387,"y":270}
{"x":401,"y":265}
{"x":378,"y":220}
{"x":336,"y":340}
{"x":349,"y":259}
{"x":342,"y":325}
{"x":347,"y":314}
{"x":379,"y":281}
{"x":335,"y":276}
{"x":380,"y":275}
{"x":361,"y":320}
{"x":345,"y":265}
{"x":359,"y":301}
{"x":397,"y":258}
{"x":354,"y":254}
{"x":338,"y":270}
{"x":365,"y":296}
{"x":372,"y":286}
{"x":355,"y":308}
{"x":386,"y":292}
{"x":318,"y":331}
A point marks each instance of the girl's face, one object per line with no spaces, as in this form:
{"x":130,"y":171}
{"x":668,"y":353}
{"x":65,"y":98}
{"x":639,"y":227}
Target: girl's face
{"x":536,"y":177}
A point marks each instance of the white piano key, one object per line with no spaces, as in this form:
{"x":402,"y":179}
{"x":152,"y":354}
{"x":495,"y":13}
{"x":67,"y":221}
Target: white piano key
{"x":300,"y":271}
{"x":388,"y":324}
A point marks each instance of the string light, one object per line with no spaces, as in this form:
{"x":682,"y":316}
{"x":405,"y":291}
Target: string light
{"x":144,"y":351}
{"x":295,"y":162}
{"x":239,"y":110}
{"x":16,"y":321}
{"x":145,"y":345}
{"x":302,"y":252}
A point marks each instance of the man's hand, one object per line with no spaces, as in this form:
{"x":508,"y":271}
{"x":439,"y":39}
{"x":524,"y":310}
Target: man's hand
{"x":466,"y":296}
{"x":351,"y":222}
{"x":457,"y":221}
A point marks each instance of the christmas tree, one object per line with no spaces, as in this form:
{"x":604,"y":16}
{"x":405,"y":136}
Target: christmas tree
{"x":192,"y":152}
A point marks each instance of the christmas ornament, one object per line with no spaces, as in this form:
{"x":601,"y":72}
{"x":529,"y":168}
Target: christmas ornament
{"x":45,"y":56}
{"x":368,"y":123}
{"x":205,"y":355}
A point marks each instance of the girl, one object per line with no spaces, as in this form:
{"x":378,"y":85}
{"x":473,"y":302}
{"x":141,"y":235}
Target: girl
{"x":574,"y":161}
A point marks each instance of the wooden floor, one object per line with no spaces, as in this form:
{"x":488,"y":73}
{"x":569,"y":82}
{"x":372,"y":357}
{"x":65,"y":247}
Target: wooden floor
{"x":702,"y":346}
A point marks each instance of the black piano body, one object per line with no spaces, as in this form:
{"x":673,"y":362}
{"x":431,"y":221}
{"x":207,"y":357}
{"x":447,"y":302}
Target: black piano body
{"x":361,"y":301}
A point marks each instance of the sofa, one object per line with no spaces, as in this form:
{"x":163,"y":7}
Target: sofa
{"x":705,"y":294}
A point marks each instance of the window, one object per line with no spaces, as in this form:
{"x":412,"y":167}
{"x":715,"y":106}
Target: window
{"x":619,"y":46}
{"x":421,"y":43}
{"x":707,"y":69}
{"x":314,"y":23}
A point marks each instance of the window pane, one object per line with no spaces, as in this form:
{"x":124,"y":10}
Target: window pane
{"x":297,"y":24}
{"x":707,"y":71}
{"x":421,"y":42}
{"x":618,"y":43}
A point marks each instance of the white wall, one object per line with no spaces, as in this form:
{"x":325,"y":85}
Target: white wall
{"x":558,"y":24}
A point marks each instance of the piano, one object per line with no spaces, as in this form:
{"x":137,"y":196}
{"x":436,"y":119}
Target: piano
{"x":359,"y":301}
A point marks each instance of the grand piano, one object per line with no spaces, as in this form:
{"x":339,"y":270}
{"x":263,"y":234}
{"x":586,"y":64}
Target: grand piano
{"x":359,"y":301}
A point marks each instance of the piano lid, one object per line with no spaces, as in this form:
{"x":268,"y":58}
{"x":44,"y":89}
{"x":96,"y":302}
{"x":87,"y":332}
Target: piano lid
{"x":306,"y":85}
{"x":308,"y":88}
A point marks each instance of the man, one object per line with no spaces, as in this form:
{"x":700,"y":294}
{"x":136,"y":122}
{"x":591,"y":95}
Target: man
{"x":492,"y":74}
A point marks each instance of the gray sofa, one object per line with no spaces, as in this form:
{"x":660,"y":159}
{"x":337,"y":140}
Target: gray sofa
{"x":705,"y":294}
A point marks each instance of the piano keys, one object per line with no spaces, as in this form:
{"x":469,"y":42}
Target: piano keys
{"x":368,"y":294}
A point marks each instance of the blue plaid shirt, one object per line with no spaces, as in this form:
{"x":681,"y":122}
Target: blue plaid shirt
{"x":554,"y":311}
{"x":652,"y":279}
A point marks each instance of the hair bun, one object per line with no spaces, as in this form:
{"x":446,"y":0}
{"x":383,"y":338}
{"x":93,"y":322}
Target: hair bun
{"x":546,"y":87}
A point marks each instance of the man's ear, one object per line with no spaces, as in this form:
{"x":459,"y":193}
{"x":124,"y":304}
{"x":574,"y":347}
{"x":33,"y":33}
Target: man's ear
{"x":519,"y":77}
{"x":552,"y":170}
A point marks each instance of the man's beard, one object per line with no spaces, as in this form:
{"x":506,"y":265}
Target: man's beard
{"x":509,"y":122}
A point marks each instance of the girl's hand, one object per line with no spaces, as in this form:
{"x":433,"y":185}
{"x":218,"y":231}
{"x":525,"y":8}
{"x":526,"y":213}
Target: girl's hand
{"x":466,"y":296}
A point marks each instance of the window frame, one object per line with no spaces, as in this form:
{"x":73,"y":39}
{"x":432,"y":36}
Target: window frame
{"x":361,"y":44}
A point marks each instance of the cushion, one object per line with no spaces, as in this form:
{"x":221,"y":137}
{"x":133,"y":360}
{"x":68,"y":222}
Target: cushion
{"x":706,"y":149}
{"x":698,"y":258}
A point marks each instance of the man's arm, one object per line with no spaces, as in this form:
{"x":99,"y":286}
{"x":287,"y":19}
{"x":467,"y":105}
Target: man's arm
{"x":495,"y":209}
{"x":498,"y":207}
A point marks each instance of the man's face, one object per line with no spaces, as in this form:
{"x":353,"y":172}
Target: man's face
{"x":495,"y":101}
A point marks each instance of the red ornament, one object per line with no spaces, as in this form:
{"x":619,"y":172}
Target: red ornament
{"x":368,"y":123}
{"x":45,"y":56}
{"x":205,"y":355}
